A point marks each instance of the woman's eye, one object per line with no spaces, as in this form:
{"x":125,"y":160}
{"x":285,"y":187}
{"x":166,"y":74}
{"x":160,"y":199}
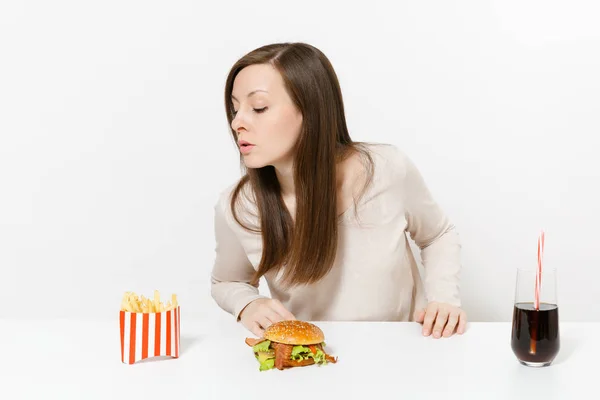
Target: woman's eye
{"x":260,"y":110}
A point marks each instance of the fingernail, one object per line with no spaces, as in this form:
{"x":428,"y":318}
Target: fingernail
{"x":436,"y":334}
{"x":425,"y":332}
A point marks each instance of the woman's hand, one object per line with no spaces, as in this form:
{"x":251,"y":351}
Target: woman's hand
{"x":260,"y":313}
{"x":442,"y":320}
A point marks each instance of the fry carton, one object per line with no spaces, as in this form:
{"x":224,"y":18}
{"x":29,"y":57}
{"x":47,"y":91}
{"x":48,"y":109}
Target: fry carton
{"x":148,"y":328}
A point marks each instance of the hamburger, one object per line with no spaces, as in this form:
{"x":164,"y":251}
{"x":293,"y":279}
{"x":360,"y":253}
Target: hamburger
{"x":288,"y":344}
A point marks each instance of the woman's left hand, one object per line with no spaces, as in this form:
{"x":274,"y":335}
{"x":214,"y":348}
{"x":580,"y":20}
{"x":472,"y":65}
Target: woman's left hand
{"x":441,"y":319}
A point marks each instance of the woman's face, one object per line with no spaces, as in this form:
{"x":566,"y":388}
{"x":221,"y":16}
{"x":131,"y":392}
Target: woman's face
{"x":266,"y":120}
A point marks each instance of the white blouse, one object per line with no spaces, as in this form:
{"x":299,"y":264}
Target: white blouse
{"x":375,"y":275}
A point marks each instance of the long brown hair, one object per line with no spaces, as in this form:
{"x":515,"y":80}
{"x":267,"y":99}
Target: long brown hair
{"x":306,"y":246}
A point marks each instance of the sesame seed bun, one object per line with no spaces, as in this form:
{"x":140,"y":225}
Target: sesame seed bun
{"x":294,"y":332}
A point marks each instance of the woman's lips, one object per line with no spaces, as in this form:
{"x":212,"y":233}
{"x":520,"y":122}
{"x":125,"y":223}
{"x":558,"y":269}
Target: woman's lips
{"x":245,"y":147}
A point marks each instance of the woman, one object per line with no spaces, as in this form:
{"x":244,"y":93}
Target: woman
{"x":323,"y":218}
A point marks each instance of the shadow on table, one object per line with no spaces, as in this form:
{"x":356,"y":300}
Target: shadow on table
{"x":567,"y":348}
{"x":187,"y":342}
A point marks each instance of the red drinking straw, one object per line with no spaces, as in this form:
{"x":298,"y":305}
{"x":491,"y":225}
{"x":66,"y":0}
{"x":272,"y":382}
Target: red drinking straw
{"x":538,"y":275}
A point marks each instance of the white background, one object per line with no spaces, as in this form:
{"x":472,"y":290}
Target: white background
{"x":114,"y":142}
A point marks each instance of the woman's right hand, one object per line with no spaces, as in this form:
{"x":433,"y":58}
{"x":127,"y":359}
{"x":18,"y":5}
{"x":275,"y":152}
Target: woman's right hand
{"x":260,"y":313}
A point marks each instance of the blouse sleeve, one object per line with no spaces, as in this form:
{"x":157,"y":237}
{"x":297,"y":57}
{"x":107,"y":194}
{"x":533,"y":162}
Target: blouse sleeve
{"x":232,"y":271}
{"x":433,"y":233}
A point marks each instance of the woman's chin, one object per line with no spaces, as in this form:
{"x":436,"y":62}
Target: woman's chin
{"x":253,"y":163}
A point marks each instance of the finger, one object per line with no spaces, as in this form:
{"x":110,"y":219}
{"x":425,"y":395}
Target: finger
{"x":264,"y":322}
{"x":440,"y":323}
{"x":462,"y":323}
{"x":281,"y":310}
{"x":452,"y":321}
{"x":430,"y":315}
{"x":419,"y":316}
{"x":273,"y":316}
{"x":256,"y":329}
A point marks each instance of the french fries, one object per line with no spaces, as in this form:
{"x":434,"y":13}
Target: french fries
{"x":139,"y":304}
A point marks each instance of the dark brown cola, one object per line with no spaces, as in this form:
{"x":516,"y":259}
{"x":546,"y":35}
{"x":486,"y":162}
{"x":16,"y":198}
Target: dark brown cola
{"x":535,"y":333}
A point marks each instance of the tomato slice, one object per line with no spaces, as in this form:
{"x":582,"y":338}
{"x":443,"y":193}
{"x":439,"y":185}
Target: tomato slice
{"x":313,"y":348}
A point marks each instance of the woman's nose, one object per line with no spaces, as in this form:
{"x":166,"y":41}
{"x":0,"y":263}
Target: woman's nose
{"x":237,"y":123}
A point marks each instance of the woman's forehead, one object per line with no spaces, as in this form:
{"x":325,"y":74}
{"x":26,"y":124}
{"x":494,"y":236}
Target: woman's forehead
{"x":257,"y":79}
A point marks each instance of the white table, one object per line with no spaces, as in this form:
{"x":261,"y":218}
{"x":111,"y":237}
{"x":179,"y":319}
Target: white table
{"x":81,"y":360}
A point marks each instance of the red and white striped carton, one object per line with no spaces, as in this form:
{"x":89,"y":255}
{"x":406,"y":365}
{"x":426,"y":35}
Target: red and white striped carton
{"x":145,"y":335}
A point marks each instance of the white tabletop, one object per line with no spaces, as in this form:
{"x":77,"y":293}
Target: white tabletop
{"x":81,"y":360}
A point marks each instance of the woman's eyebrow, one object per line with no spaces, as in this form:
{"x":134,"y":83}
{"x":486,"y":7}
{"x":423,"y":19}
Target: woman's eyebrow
{"x":251,"y":93}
